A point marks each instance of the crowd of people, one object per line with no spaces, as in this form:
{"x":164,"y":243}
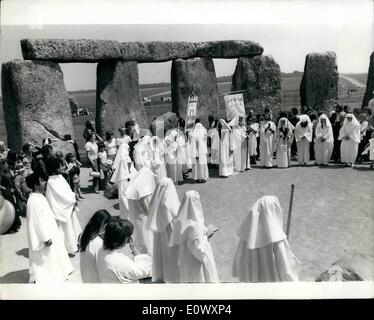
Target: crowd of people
{"x":156,"y":236}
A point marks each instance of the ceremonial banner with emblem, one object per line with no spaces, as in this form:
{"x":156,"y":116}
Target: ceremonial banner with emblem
{"x":191,"y":112}
{"x":234,"y":105}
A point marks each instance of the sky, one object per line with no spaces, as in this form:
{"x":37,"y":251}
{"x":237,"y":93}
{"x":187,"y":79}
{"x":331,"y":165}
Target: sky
{"x":288,"y":30}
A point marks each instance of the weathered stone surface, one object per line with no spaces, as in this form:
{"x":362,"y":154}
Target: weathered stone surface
{"x":169,"y":121}
{"x":90,"y":50}
{"x":73,"y":105}
{"x":353,"y":267}
{"x":369,"y":83}
{"x":261,"y":79}
{"x":70,"y":50}
{"x":157,"y":51}
{"x":195,"y":76}
{"x":319,"y":85}
{"x":117,"y":95}
{"x":36,"y":104}
{"x":228,"y":49}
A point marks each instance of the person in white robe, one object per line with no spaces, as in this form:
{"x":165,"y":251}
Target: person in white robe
{"x":158,"y":158}
{"x":48,"y":259}
{"x":139,"y":194}
{"x":124,"y":171}
{"x":324,"y":140}
{"x":199,"y":153}
{"x":163,"y":208}
{"x":63,"y":204}
{"x":239,"y":134}
{"x":118,"y":261}
{"x":143,"y":153}
{"x":181,"y":141}
{"x":213,"y":150}
{"x":226,"y":149}
{"x":303,"y":137}
{"x":263,"y":253}
{"x":284,"y":138}
{"x":350,"y":136}
{"x":369,"y":149}
{"x":91,"y":241}
{"x":267,"y":142}
{"x":196,"y":259}
{"x":173,"y":171}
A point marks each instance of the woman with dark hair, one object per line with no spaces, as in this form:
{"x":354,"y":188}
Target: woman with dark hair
{"x":114,"y":264}
{"x":92,"y":151}
{"x":88,"y":130}
{"x":110,"y":145}
{"x":91,"y":241}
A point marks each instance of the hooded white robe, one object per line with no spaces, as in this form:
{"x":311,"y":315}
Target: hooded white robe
{"x":303,"y":154}
{"x":199,"y":152}
{"x":174,"y":172}
{"x":226,"y":161}
{"x":267,"y":143}
{"x":241,"y":153}
{"x":142,"y":153}
{"x":349,"y":148}
{"x":116,"y":266}
{"x":158,"y":158}
{"x":122,"y":176}
{"x":263,"y":253}
{"x":252,"y":139}
{"x":323,"y":150}
{"x":163,"y":208}
{"x":139,"y":193}
{"x":284,"y":144}
{"x":48,"y":264}
{"x":214,"y":147}
{"x":196,"y":259}
{"x":61,"y":200}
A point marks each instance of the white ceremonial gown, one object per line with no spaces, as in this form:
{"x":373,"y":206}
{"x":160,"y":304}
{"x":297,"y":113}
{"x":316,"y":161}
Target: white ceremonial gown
{"x":252,"y":142}
{"x":88,"y":261}
{"x":142,"y":153}
{"x":349,"y":148}
{"x":118,"y":267}
{"x":122,"y":176}
{"x":226,"y":161}
{"x":158,"y":159}
{"x":61,"y":200}
{"x":163,"y":208}
{"x":284,"y":144}
{"x":267,"y":144}
{"x":239,"y":136}
{"x":196,"y":259}
{"x":139,"y":193}
{"x":263,"y":253}
{"x":323,"y":150}
{"x":303,"y":154}
{"x":214,"y":148}
{"x":48,"y":264}
{"x":199,"y":153}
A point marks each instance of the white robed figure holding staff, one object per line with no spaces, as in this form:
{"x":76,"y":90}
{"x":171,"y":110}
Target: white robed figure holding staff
{"x":324,"y":140}
{"x":284,"y":137}
{"x":350,"y":136}
{"x":263,"y":253}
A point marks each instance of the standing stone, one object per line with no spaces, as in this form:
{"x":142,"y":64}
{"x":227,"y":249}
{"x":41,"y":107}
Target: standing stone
{"x":261,"y":79}
{"x":117,"y":96}
{"x":195,"y":76}
{"x":319,"y":85}
{"x":369,"y":83}
{"x":36,"y":104}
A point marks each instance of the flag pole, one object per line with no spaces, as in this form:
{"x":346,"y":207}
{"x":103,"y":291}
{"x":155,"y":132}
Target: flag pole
{"x":290,"y":211}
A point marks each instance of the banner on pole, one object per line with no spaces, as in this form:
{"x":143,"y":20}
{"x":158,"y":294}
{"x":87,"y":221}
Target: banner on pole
{"x":191,"y":112}
{"x":234,"y":105}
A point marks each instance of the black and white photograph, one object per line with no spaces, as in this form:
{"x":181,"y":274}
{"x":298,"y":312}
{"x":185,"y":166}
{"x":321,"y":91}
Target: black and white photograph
{"x":187,"y":144}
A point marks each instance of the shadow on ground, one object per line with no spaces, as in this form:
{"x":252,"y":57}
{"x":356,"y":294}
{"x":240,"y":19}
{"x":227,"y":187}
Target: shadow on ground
{"x":20,"y":276}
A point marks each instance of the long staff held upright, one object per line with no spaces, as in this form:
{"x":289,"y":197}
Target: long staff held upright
{"x":290,"y":211}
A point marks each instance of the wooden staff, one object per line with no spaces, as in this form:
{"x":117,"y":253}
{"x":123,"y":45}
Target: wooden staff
{"x":290,"y":211}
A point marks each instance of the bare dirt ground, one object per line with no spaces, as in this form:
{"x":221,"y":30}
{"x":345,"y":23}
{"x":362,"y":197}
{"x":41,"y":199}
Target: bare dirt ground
{"x":333,"y":213}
